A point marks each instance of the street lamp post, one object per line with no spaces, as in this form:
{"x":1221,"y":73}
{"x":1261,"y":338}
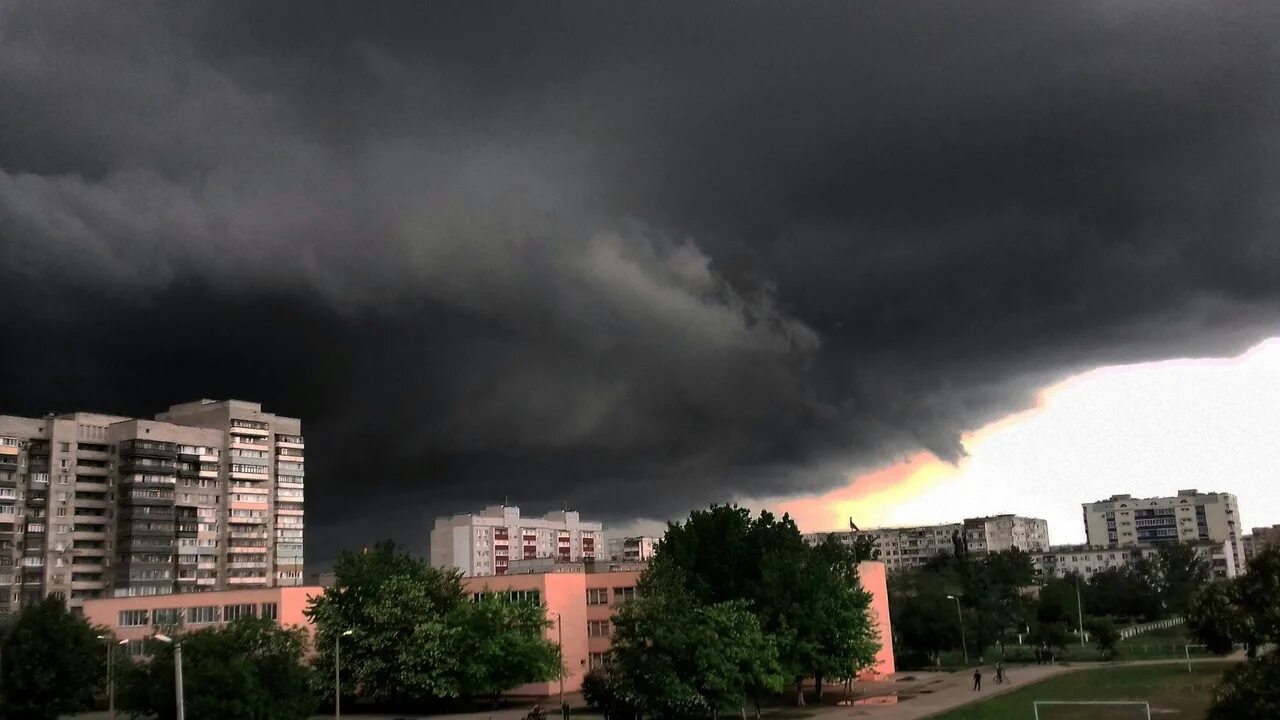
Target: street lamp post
{"x":111,"y":675}
{"x":177,"y":672}
{"x":964,"y":647}
{"x":560,"y":646}
{"x":337,"y":672}
{"x":1080,"y":612}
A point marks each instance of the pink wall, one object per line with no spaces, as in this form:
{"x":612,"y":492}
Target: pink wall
{"x":290,"y":603}
{"x":871,"y":576}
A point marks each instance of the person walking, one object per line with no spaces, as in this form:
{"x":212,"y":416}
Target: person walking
{"x":977,"y":679}
{"x":999,"y":673}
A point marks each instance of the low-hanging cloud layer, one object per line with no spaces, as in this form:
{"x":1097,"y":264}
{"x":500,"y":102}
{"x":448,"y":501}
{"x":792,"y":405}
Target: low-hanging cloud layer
{"x":634,"y":259}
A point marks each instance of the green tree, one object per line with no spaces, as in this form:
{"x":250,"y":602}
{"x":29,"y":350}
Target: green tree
{"x":807,"y":600}
{"x":53,"y":663}
{"x":509,"y":647}
{"x":1179,"y":573}
{"x":1105,"y":634}
{"x":418,"y":638}
{"x":923,"y":619}
{"x":395,"y":605}
{"x":251,"y":668}
{"x":1249,"y":691}
{"x":674,"y":656}
{"x":1214,"y":617}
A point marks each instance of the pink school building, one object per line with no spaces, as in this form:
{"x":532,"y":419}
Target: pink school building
{"x":580,"y":606}
{"x":135,"y":618}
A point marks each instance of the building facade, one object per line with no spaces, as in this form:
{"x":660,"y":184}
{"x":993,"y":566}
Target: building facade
{"x":94,"y":506}
{"x":136,"y":618}
{"x":907,"y":547}
{"x":1089,"y":560}
{"x":1258,"y":539}
{"x":581,"y":602}
{"x":1189,"y":516}
{"x":1006,"y":532}
{"x":633,"y":549}
{"x":485,"y":543}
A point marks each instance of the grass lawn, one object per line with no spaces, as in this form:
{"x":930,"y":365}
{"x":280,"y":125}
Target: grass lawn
{"x":1171,"y":690}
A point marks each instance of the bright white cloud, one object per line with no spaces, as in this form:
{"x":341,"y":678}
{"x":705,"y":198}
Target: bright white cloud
{"x":1146,"y":429}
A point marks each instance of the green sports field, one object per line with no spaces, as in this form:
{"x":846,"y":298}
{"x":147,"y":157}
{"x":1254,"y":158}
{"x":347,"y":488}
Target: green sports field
{"x":1171,"y":690}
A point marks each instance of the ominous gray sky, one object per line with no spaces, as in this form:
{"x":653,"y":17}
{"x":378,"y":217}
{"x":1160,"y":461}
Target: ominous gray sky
{"x":632,"y":258}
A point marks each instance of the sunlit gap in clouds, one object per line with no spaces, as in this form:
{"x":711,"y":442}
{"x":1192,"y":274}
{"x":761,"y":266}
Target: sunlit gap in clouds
{"x":1145,"y":429}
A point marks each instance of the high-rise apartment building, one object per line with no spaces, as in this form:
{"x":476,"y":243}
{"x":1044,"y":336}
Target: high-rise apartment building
{"x":639,"y":548}
{"x":1258,"y":539}
{"x":1189,"y":516}
{"x":95,"y":506}
{"x":485,"y":543}
{"x":906,"y":547}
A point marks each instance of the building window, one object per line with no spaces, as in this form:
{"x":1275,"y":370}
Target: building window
{"x":596,"y":661}
{"x":167,"y":616}
{"x":623,"y":594}
{"x":597,"y":628}
{"x":202,"y":615}
{"x":133,"y":618}
{"x":270,"y":611}
{"x":235,"y":612}
{"x":597,"y":596}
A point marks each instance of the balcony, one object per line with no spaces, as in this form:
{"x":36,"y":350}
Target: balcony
{"x":244,"y":580}
{"x":249,"y":429}
{"x":148,"y":466}
{"x":248,"y":444}
{"x":83,"y":453}
{"x":8,"y":463}
{"x":97,"y":503}
{"x":91,"y":470}
{"x":148,"y":449}
{"x":248,"y":549}
{"x":210,"y":474}
{"x":248,"y":534}
{"x":260,"y":472}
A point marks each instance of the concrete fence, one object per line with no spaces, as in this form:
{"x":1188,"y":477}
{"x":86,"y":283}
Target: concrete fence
{"x":1133,"y":630}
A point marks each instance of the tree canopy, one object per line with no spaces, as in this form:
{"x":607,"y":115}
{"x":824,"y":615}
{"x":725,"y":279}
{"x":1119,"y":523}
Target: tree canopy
{"x":53,"y":662}
{"x":806,"y":599}
{"x":418,"y":638}
{"x":250,"y":668}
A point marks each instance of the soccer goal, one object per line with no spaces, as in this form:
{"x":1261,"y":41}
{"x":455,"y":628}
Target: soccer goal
{"x":1126,"y":709}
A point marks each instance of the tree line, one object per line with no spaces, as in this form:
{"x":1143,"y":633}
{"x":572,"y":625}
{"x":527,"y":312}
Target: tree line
{"x":985,"y":604}
{"x":414,"y":640}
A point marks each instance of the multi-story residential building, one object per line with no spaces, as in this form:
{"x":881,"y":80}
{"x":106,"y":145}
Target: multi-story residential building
{"x":485,"y":543}
{"x":1089,"y":560}
{"x":633,"y":549}
{"x":1189,"y":516}
{"x":1005,"y":532}
{"x":906,"y":547}
{"x":94,"y":505}
{"x":1259,"y":538}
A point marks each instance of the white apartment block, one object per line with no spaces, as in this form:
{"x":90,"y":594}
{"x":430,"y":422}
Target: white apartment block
{"x":1087,"y":561}
{"x":906,"y":547}
{"x":633,"y":549}
{"x":485,"y":543}
{"x":1189,"y":516}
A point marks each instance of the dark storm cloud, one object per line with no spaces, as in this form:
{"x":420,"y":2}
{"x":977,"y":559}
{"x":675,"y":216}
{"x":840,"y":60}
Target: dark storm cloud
{"x":633,"y":259}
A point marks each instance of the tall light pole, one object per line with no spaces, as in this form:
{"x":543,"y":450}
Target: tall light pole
{"x":177,"y":672}
{"x":111,"y":676}
{"x":560,"y":646}
{"x":1080,"y":612}
{"x":337,"y":672}
{"x":964,"y":647}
